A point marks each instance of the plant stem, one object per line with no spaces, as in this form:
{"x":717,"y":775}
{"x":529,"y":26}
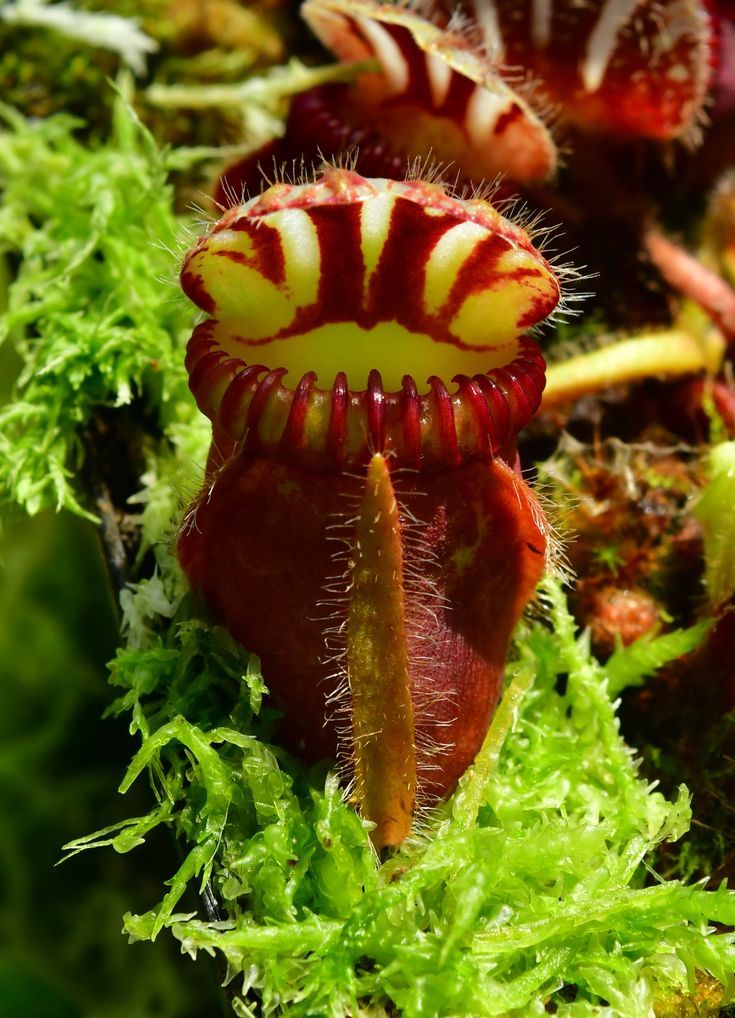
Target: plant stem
{"x":670,"y":353}
{"x":472,"y":786}
{"x":278,"y":83}
{"x":692,"y":279}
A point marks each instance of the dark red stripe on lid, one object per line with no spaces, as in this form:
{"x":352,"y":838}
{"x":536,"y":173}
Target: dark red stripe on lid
{"x":418,"y":89}
{"x":458,"y":96}
{"x":293,"y":433}
{"x":338,"y":418}
{"x":267,"y":253}
{"x":477,"y":272}
{"x":193,"y":285}
{"x":506,"y":119}
{"x":397,"y":285}
{"x":538,"y":308}
{"x":375,"y":412}
{"x":411,"y":419}
{"x":342,"y":266}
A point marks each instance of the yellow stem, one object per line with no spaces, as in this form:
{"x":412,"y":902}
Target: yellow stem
{"x":277,"y":83}
{"x":670,"y":353}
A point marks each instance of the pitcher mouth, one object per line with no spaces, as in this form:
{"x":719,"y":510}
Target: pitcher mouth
{"x":351,"y":316}
{"x":339,"y":428}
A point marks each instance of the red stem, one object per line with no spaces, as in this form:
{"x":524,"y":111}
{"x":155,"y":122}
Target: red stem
{"x":686,"y":274}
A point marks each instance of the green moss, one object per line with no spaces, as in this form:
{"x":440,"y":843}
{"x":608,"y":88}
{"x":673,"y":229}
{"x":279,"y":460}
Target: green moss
{"x":543,"y":883}
{"x":93,"y":310}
